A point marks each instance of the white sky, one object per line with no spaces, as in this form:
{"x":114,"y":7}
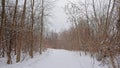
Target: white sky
{"x":59,"y":20}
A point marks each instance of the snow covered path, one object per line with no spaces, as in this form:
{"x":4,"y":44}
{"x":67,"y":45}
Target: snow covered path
{"x":53,"y":58}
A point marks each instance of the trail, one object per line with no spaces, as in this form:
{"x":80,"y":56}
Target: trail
{"x":58,"y":58}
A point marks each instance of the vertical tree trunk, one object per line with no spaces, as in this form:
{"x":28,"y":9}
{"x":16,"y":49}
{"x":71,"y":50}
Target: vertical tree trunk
{"x":14,"y":25}
{"x":32,"y":40}
{"x":19,"y":47}
{"x":9,"y":44}
{"x":94,"y":10}
{"x":42,"y":24}
{"x":2,"y":26}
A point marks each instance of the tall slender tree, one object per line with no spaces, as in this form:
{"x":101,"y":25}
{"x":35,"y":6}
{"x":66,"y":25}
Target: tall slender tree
{"x":2,"y":26}
{"x":32,"y":30}
{"x":41,"y":25}
{"x":19,"y":47}
{"x":14,"y":24}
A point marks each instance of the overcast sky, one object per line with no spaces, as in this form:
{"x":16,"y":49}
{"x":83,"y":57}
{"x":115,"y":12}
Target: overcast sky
{"x":59,"y":19}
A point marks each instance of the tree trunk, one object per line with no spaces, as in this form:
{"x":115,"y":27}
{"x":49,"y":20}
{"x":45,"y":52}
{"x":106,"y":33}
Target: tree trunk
{"x":2,"y":26}
{"x":32,"y":40}
{"x":19,"y":47}
{"x":42,"y":24}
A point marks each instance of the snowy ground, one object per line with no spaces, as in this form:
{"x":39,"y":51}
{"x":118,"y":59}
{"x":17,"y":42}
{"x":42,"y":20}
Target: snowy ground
{"x":57,"y":58}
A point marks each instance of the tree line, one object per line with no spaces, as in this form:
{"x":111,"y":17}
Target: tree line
{"x":22,"y":27}
{"x":95,"y":29}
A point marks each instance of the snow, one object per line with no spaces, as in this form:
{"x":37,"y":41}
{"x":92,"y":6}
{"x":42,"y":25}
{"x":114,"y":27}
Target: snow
{"x":56,"y":58}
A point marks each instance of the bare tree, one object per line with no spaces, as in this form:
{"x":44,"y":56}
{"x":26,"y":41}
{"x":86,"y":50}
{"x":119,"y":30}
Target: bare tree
{"x":21,"y":27}
{"x":41,"y":25}
{"x":21,"y":35}
{"x":97,"y":30}
{"x":32,"y":17}
{"x":14,"y":24}
{"x":2,"y":25}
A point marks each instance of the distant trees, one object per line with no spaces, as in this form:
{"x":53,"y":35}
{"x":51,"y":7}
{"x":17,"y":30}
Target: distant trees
{"x":22,"y":27}
{"x":52,"y":40}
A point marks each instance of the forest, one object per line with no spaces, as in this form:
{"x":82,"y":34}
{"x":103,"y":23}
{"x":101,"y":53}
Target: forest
{"x":95,"y":29}
{"x":22,"y":27}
